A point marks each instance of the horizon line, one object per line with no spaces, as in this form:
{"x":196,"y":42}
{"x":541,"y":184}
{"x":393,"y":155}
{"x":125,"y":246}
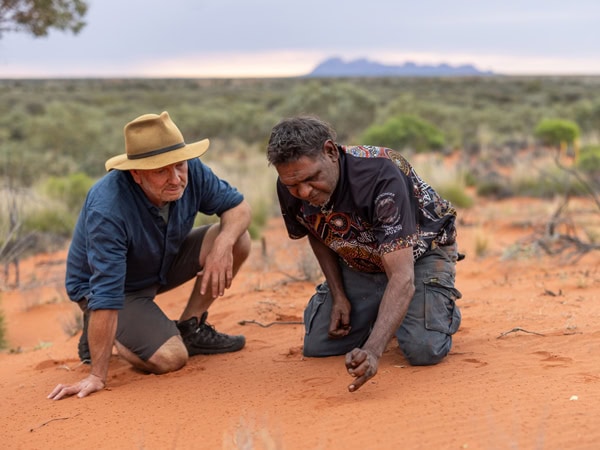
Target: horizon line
{"x":266,"y":77}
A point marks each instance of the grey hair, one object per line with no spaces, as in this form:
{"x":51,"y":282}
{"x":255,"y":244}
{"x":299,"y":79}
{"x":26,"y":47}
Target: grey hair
{"x":295,"y":137}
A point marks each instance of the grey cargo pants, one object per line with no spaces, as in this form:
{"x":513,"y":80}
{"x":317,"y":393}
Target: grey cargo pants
{"x":425,"y":335}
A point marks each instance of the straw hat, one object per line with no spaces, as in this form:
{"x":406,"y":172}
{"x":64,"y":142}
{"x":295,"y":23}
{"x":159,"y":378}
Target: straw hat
{"x":153,"y":141}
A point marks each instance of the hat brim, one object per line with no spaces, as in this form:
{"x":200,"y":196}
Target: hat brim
{"x":190,"y":151}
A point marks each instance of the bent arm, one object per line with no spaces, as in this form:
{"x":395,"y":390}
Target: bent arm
{"x":362,"y":362}
{"x":102,"y":329}
{"x":339,"y":323}
{"x":217,"y":258}
{"x":234,"y":222}
{"x":399,"y":267}
{"x":328,"y":261}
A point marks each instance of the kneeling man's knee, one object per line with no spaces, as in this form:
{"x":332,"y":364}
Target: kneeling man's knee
{"x":311,"y":348}
{"x":426,"y":354}
{"x":318,"y":348}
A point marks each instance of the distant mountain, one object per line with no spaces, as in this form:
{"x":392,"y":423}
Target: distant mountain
{"x":335,"y":67}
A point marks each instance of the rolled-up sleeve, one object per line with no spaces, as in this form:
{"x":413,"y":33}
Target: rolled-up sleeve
{"x":106,"y":257}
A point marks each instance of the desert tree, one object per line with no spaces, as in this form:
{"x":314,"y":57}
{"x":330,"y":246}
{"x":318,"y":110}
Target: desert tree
{"x":38,"y":17}
{"x":560,"y":232}
{"x":559,"y":133}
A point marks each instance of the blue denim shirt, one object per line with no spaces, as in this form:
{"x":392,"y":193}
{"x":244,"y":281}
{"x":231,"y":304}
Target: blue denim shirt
{"x":120,"y":242}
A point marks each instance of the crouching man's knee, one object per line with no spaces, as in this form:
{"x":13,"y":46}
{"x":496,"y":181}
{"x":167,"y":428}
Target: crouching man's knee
{"x":171,"y":356}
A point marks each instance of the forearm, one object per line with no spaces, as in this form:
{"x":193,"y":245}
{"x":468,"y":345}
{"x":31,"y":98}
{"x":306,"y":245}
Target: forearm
{"x":392,"y":310}
{"x":102,"y":330}
{"x":234,"y":222}
{"x":329,"y":263}
{"x":399,"y":268}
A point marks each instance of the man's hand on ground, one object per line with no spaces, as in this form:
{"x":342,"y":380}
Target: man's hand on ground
{"x":362,"y":365}
{"x":88,"y":385}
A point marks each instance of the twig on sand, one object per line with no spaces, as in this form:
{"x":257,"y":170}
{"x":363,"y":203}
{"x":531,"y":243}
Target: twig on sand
{"x":52,"y":420}
{"x":514,"y":330}
{"x":266,"y":325}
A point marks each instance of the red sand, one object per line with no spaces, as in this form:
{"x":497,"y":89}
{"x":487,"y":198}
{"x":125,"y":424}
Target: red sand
{"x":524,"y":371}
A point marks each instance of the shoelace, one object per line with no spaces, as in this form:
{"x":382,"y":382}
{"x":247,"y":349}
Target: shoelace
{"x":209,"y":330}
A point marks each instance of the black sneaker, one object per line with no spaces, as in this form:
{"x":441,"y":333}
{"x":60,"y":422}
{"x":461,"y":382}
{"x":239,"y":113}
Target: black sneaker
{"x":83,"y":348}
{"x":200,"y":338}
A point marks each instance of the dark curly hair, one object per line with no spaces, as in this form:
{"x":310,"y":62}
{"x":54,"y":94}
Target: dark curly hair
{"x":295,"y":137}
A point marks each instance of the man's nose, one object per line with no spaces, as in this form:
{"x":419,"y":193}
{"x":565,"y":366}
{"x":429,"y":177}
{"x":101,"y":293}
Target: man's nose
{"x":174,"y":175}
{"x":304,"y":191}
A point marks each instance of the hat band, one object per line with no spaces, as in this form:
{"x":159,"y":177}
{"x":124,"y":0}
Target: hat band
{"x":156,"y":152}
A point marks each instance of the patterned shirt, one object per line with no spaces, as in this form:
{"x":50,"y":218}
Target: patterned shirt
{"x":379,"y":205}
{"x":122,"y":242}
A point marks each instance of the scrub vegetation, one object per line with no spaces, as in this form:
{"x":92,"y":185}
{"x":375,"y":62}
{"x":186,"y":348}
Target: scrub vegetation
{"x":505,"y":134}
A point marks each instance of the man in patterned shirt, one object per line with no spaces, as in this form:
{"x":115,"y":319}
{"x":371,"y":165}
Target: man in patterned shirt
{"x":384,"y":239}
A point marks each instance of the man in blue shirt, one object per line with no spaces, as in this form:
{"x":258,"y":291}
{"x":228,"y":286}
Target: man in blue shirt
{"x":385,"y":240}
{"x":135,"y":238}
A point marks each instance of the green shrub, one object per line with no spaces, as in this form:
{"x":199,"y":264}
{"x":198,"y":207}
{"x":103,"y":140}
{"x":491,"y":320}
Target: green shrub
{"x":548,"y":185}
{"x":51,"y":220}
{"x":470,"y":179}
{"x":457,"y":195}
{"x":347,"y":106}
{"x":405,"y":131}
{"x":260,"y":215}
{"x":589,"y":159}
{"x":70,"y":190}
{"x":557,"y":132}
{"x":494,"y":187}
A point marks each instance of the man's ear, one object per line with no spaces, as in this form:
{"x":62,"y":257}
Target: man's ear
{"x":331,"y":150}
{"x":136,"y":175}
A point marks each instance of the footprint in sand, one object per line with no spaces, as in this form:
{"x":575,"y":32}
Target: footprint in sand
{"x":476,"y":361}
{"x":589,"y":377}
{"x":551,"y":360}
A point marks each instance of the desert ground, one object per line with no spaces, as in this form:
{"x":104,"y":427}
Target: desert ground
{"x":524,"y":371}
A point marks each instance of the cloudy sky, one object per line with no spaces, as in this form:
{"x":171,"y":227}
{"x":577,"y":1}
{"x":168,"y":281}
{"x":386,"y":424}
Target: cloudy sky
{"x":256,"y":38}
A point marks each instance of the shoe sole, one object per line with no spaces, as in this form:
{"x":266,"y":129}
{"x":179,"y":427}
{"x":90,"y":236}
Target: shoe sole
{"x":216,"y":351}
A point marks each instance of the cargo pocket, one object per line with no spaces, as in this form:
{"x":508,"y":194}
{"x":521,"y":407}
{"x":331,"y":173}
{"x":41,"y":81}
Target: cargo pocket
{"x":314,"y":304}
{"x":441,"y":312}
